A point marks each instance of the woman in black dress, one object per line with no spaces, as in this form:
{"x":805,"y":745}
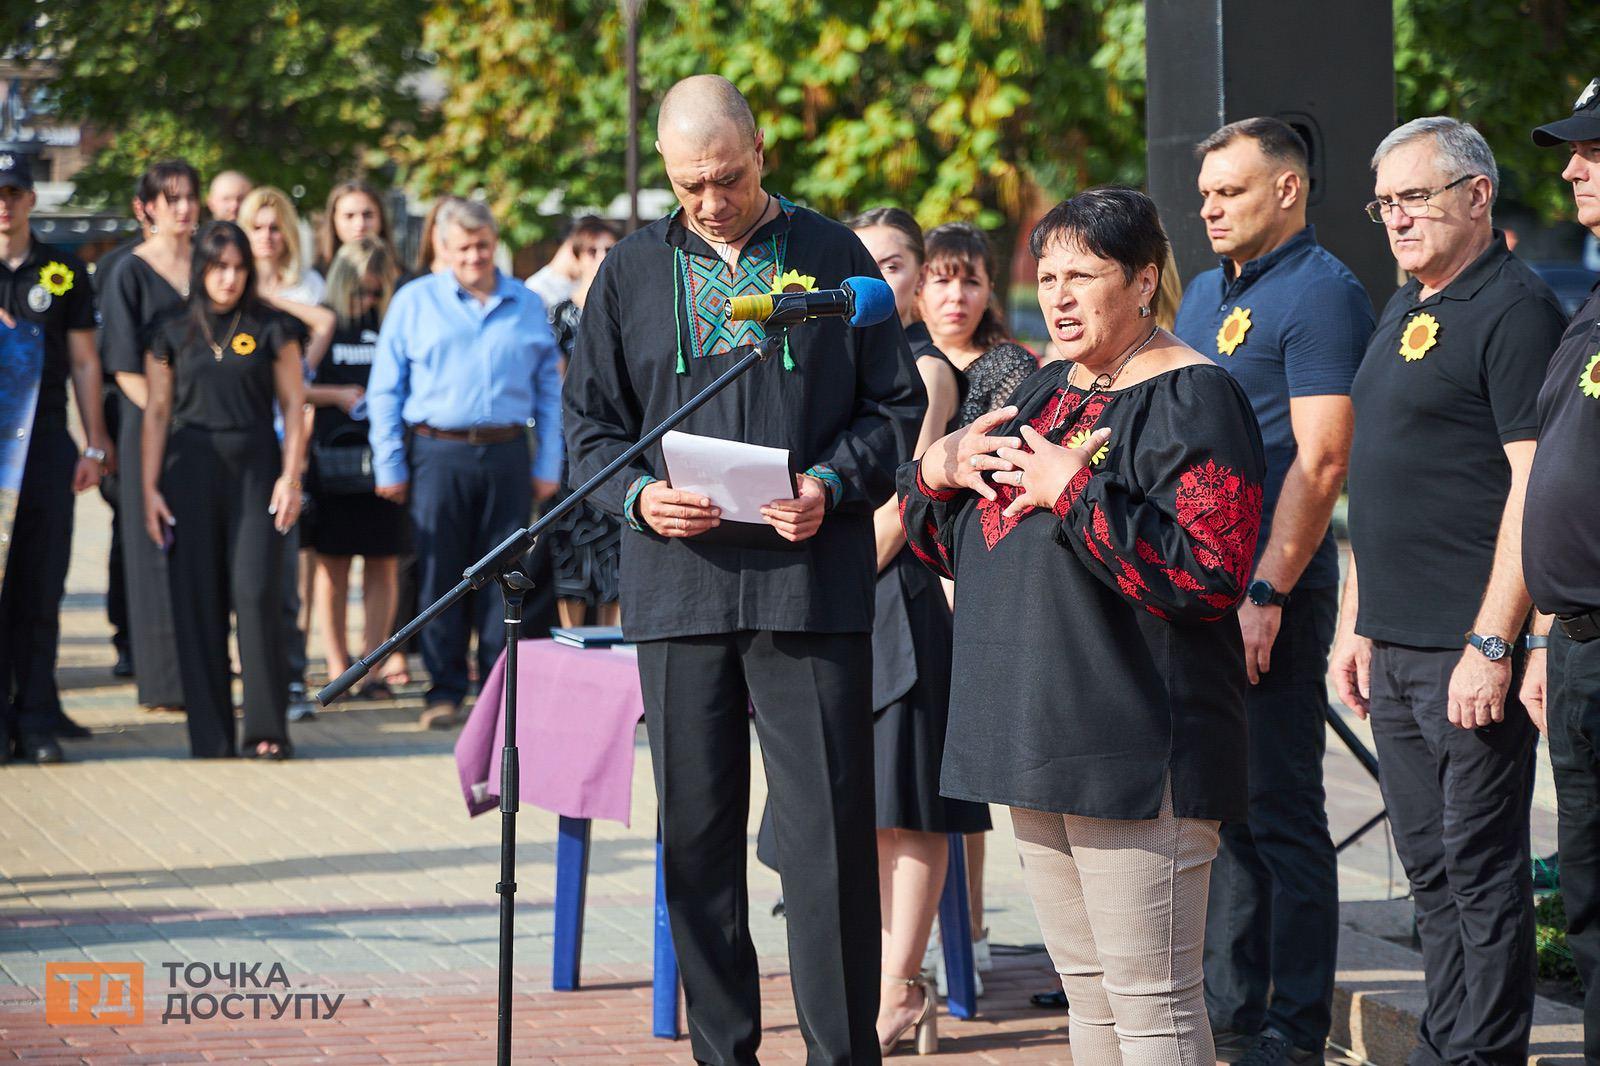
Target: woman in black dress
{"x":220,"y":494}
{"x":958,"y":304}
{"x":350,"y":518}
{"x":911,"y":681}
{"x":1101,"y":531}
{"x":144,"y":286}
{"x":586,"y":545}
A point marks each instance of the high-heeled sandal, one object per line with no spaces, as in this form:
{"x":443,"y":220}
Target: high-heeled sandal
{"x":925,"y":1026}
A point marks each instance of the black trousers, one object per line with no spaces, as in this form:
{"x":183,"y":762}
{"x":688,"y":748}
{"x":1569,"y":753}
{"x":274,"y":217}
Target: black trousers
{"x":465,"y":500}
{"x":154,"y":638}
{"x":1573,"y":703}
{"x":812,"y":694}
{"x":226,"y":553}
{"x":1458,"y":803}
{"x":1273,"y":923}
{"x":110,"y":491}
{"x":35,"y":578}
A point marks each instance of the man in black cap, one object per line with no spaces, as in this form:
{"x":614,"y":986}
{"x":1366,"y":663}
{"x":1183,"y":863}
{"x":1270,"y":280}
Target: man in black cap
{"x":1561,"y":564}
{"x":43,"y":288}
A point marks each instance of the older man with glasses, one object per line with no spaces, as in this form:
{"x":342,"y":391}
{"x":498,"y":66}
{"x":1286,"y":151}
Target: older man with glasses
{"x":1445,"y":406}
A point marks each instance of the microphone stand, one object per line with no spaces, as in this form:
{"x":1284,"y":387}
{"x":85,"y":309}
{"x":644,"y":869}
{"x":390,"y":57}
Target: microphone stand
{"x":501,"y":566}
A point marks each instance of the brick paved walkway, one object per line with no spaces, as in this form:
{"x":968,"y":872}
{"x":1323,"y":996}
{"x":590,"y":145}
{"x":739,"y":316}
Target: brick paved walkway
{"x":355,"y":868}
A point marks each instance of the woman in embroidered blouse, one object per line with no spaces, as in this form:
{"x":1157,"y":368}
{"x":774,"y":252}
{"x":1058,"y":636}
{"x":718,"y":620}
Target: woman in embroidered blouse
{"x":958,"y":305}
{"x":1101,"y":530}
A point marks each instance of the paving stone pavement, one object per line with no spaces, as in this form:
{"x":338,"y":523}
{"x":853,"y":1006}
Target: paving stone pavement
{"x":355,"y":868}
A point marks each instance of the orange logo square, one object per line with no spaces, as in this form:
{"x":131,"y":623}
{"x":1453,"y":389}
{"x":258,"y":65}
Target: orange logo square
{"x":94,"y":993}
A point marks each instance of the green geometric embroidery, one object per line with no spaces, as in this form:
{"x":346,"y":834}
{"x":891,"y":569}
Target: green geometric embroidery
{"x":711,"y":283}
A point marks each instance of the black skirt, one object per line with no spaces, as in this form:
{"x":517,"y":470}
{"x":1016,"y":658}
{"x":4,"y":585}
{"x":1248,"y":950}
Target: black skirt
{"x":911,"y":694}
{"x":585,"y":549}
{"x":358,"y":524}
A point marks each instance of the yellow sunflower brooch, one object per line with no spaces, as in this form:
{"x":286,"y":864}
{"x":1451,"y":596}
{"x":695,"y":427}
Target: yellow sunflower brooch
{"x":1589,"y":380}
{"x":243,"y":344}
{"x":57,"y":278}
{"x":1080,"y":438}
{"x":793,"y":281}
{"x":1234,"y":327}
{"x":1420,"y":334}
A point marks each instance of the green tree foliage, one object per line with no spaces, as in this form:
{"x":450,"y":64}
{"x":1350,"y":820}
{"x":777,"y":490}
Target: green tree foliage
{"x":961,"y":109}
{"x":293,"y":92}
{"x":1506,"y":66}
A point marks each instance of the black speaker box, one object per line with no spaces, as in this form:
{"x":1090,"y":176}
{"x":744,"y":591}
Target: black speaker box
{"x":1326,"y":67}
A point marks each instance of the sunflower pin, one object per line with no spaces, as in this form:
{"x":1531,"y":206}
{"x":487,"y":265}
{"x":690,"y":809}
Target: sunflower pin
{"x":1589,"y":380}
{"x":57,"y":278}
{"x":243,"y":344}
{"x":1080,"y":438}
{"x":1234,"y":327}
{"x":793,"y":281}
{"x":1419,"y":335}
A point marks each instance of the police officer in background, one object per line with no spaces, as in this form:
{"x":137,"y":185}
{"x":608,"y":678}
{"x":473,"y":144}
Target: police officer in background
{"x":1561,"y":563}
{"x":49,"y":287}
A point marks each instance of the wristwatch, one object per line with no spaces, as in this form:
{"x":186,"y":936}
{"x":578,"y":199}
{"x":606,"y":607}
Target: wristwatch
{"x":1261,"y":593}
{"x":97,"y":454}
{"x":1536,"y":642}
{"x":1494,"y":648}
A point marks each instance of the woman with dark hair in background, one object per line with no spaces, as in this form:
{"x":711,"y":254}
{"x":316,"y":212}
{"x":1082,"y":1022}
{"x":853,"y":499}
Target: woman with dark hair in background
{"x":911,"y":683}
{"x":220,"y":494}
{"x":586,"y":545}
{"x":149,"y":282}
{"x":354,"y":212}
{"x":351,"y":519}
{"x":958,"y":305}
{"x":965,"y":320}
{"x":1101,"y":531}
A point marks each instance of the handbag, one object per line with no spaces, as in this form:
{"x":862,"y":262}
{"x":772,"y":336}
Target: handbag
{"x":343,"y":464}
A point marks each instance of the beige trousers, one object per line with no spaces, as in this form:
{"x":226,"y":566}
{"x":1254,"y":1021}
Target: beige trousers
{"x":1122,"y":905}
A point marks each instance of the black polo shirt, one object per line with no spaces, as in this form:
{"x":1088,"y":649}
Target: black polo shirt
{"x":52,"y":288}
{"x":1446,"y":382}
{"x":1561,"y":520}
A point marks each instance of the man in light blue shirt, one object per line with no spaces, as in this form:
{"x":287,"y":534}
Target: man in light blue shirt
{"x":465,"y":362}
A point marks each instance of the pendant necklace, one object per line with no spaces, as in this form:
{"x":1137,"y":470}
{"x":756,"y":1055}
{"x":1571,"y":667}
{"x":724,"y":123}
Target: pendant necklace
{"x":1101,"y":383}
{"x":216,"y":348}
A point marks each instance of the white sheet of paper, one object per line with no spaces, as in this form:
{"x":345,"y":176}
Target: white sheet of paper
{"x":739,"y":478}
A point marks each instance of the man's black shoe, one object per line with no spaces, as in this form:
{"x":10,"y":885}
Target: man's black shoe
{"x":123,"y":667}
{"x":67,"y":729}
{"x":1232,"y":1046}
{"x":40,"y":750}
{"x":1274,"y":1049}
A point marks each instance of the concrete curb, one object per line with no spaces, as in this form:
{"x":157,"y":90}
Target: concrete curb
{"x":1378,"y":995}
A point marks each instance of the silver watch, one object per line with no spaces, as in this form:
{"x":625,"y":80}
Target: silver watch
{"x":97,"y":454}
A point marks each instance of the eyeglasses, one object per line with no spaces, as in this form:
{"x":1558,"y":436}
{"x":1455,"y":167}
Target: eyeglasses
{"x":1414,"y":204}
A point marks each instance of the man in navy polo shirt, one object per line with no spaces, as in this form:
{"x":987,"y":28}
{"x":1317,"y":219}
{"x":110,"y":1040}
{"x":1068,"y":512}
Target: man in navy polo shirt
{"x":1290,"y":322}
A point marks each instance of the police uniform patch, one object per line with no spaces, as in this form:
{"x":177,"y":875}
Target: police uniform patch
{"x":39,"y":299}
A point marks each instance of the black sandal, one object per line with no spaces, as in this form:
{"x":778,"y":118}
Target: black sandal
{"x":270,"y":749}
{"x":375,"y":690}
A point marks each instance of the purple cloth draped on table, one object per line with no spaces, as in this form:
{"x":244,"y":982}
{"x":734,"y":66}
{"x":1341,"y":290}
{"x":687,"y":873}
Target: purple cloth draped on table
{"x":578,"y":709}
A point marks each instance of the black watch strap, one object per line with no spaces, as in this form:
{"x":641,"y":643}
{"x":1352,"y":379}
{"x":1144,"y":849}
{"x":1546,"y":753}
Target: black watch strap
{"x":1536,"y":642}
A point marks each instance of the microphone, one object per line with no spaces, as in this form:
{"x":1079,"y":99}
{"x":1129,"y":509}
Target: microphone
{"x":864,"y":301}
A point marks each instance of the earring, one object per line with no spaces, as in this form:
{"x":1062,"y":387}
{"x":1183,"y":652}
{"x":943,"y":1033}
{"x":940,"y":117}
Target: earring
{"x":1144,"y":311}
{"x":154,"y":229}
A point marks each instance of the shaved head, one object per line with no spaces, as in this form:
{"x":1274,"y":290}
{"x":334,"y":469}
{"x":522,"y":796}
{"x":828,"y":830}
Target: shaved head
{"x":703,"y":109}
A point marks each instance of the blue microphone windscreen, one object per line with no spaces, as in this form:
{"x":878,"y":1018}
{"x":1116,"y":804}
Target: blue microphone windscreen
{"x":874,"y":301}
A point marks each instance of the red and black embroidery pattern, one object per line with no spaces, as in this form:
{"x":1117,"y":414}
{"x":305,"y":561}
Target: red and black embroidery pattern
{"x":991,"y":514}
{"x":1222,"y":513}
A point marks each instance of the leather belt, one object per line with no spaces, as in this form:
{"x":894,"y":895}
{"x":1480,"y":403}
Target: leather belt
{"x":1580,"y":627}
{"x":475,"y":435}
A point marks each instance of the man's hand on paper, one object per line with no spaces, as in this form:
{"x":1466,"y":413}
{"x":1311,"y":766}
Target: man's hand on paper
{"x":672,"y":513}
{"x":798,"y":519}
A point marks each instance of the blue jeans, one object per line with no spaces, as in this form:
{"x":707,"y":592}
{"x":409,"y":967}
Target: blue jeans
{"x":465,"y":500}
{"x":1573,"y":702}
{"x":1273,"y":920}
